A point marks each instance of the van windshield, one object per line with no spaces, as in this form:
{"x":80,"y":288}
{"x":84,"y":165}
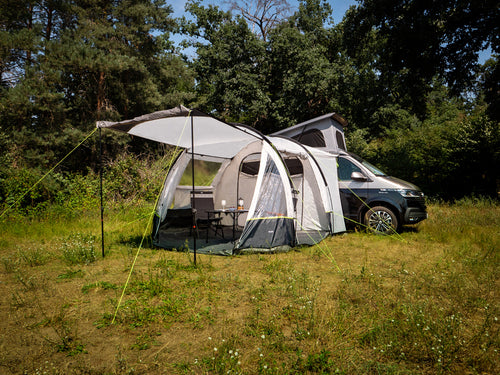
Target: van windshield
{"x":370,"y":167}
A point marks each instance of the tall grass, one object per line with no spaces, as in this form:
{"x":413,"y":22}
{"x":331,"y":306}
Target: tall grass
{"x":428,"y":304}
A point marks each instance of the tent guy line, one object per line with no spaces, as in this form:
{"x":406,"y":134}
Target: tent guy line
{"x":46,"y":174}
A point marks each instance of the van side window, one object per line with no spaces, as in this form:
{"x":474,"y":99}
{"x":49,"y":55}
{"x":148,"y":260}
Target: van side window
{"x":345,"y":169}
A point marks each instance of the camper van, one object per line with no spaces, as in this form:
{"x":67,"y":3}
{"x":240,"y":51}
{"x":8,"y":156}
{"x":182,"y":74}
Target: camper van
{"x":380,"y":202}
{"x":369,"y":197}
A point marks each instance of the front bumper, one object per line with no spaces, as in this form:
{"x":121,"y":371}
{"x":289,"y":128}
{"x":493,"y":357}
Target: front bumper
{"x":414,"y":215}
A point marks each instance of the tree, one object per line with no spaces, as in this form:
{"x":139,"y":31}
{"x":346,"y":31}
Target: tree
{"x":301,"y":79}
{"x":295,"y":74}
{"x":452,"y":153}
{"x":229,"y":66}
{"x":419,"y":40}
{"x":82,"y":61}
{"x":262,"y":14}
{"x":490,"y":86}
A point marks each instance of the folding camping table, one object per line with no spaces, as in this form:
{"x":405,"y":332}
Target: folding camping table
{"x":235,"y":214}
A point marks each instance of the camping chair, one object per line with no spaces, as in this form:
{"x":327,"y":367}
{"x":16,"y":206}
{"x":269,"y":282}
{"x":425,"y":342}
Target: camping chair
{"x":205,"y":215}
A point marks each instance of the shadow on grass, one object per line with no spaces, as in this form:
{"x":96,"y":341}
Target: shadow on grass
{"x":136,"y":241}
{"x":409,"y":229}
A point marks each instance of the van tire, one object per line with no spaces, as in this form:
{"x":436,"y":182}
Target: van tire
{"x":381,"y":220}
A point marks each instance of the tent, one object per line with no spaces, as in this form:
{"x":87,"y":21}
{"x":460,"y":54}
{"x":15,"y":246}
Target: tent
{"x":267,"y":194}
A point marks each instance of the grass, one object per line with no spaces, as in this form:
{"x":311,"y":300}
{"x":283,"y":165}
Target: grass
{"x":359,"y":304}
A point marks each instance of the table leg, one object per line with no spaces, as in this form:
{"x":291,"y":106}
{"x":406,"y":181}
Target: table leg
{"x":234,"y":224}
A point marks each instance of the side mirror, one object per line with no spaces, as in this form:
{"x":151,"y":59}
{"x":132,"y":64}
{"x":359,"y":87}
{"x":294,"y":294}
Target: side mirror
{"x":358,"y":176}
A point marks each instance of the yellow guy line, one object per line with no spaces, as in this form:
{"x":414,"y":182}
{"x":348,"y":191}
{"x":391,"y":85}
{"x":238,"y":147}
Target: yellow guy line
{"x":370,"y":209}
{"x":147,"y":227}
{"x":46,"y":174}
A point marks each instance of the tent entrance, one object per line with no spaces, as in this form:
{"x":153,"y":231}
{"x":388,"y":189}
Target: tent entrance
{"x":176,"y":233}
{"x":270,"y":223}
{"x":179,"y":205}
{"x":215,"y":232}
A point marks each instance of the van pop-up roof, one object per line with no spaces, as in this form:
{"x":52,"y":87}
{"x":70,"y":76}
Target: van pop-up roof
{"x":324,"y":132}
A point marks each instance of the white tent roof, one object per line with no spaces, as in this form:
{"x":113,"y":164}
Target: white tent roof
{"x":212,"y":137}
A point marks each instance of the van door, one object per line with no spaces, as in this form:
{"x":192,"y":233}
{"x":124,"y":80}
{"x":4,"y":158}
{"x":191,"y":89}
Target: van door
{"x":353,"y":186}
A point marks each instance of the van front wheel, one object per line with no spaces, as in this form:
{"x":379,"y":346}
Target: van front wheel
{"x":381,"y":220}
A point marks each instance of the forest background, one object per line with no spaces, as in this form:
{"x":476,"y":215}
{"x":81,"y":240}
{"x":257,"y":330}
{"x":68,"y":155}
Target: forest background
{"x":405,"y":74}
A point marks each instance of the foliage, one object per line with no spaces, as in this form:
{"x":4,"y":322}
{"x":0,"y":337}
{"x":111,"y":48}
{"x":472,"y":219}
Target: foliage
{"x":292,"y":75}
{"x":229,"y":64}
{"x":422,"y":40}
{"x":126,"y":178}
{"x":65,"y":65}
{"x":451,"y":154}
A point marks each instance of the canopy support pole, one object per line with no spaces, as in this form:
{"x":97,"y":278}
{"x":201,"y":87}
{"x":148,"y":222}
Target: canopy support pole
{"x":193,"y":208}
{"x":100,"y":191}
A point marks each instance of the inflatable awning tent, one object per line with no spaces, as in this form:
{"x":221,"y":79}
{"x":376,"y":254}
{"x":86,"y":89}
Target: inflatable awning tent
{"x":290,"y":191}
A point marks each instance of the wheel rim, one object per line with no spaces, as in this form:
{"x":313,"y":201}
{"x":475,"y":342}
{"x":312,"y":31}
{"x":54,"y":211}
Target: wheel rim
{"x":380,"y":221}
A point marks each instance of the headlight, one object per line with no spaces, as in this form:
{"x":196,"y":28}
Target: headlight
{"x":410,"y":193}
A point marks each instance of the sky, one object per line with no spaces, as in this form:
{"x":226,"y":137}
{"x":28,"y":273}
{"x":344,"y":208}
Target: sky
{"x":339,"y":7}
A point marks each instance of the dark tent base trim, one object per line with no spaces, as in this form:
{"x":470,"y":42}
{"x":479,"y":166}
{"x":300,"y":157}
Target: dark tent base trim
{"x":181,"y":239}
{"x":311,"y":237}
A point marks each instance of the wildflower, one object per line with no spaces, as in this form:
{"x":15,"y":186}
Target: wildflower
{"x":263,"y":337}
{"x":215,"y":349}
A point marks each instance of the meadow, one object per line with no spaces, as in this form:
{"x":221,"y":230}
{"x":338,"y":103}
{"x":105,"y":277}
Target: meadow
{"x":423,"y":302}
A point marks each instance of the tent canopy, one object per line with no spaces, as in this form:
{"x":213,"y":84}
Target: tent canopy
{"x":211,"y":137}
